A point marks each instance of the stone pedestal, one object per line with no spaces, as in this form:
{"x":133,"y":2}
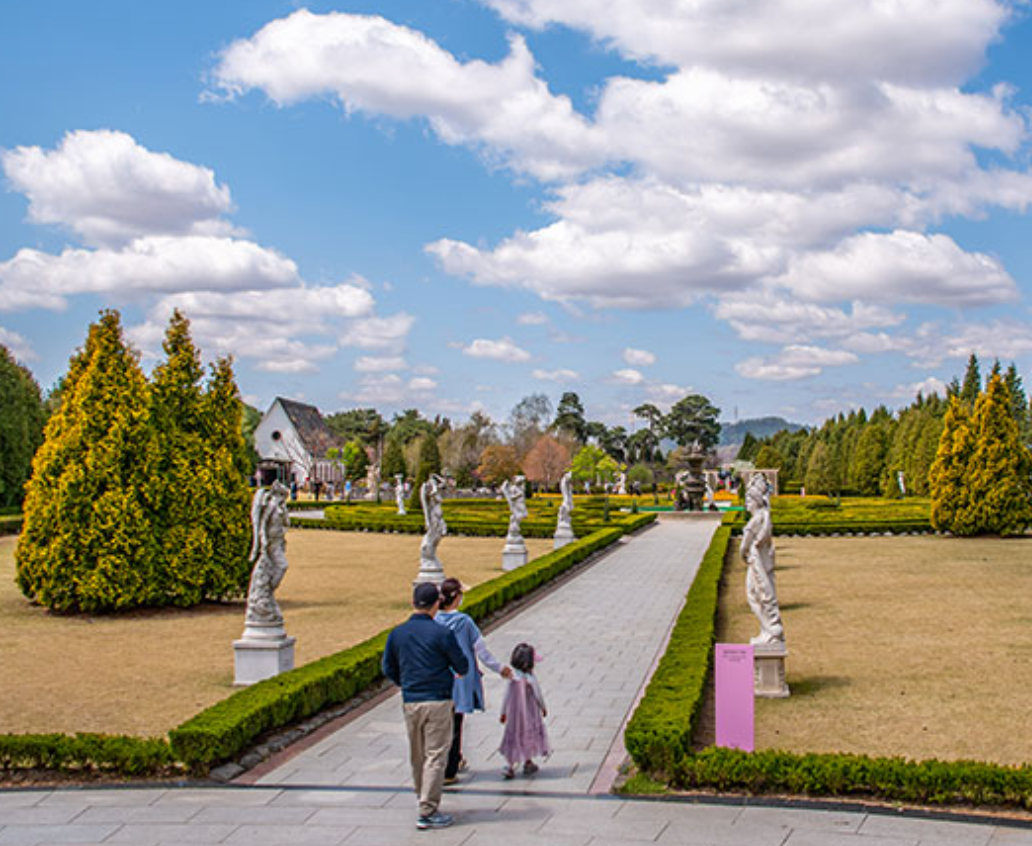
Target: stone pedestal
{"x":514,"y":554}
{"x":563,"y":535}
{"x":769,"y":662}
{"x":430,"y":570}
{"x":263,"y":652}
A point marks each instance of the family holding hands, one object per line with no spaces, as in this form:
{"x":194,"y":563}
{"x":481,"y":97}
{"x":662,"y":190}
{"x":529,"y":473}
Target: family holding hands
{"x":433,"y":657}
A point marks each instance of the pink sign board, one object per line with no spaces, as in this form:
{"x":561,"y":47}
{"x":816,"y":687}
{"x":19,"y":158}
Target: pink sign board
{"x":734,"y":696}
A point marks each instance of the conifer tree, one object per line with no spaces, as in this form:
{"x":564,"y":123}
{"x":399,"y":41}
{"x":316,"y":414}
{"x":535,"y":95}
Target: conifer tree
{"x":820,"y":471}
{"x":393,"y":462}
{"x":1019,"y":404}
{"x":227,"y":498}
{"x":998,"y":473}
{"x":972,"y":384}
{"x":21,"y":427}
{"x":87,"y":543}
{"x":429,"y":462}
{"x":948,"y":476}
{"x":869,"y":459}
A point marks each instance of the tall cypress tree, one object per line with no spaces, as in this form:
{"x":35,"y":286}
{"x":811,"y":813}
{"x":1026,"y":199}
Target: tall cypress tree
{"x":999,"y":470}
{"x":21,"y":427}
{"x":972,"y":384}
{"x":87,"y":543}
{"x":948,"y":477}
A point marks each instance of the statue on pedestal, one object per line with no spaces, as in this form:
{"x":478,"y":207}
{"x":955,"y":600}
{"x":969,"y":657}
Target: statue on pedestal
{"x":564,"y":526}
{"x":621,"y":484}
{"x":758,"y":552}
{"x":269,"y":522}
{"x":515,"y":494}
{"x":430,"y":495}
{"x":399,"y":493}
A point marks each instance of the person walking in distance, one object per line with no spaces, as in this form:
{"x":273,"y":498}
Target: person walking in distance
{"x":423,"y":659}
{"x":468,"y":691}
{"x":523,"y":713}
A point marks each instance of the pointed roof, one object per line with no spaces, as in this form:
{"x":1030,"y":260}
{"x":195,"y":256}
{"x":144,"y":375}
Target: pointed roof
{"x":316,"y":436}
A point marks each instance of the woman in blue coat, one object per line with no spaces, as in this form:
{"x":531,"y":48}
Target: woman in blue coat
{"x":468,"y":691}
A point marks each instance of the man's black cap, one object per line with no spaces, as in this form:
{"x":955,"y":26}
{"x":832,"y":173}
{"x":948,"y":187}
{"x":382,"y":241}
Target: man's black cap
{"x":425,"y":595}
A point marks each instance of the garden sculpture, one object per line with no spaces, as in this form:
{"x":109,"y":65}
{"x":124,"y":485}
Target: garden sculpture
{"x":515,"y":494}
{"x":758,"y":552}
{"x":269,"y":522}
{"x":566,"y":507}
{"x":430,"y":494}
{"x":621,"y":484}
{"x":399,"y":493}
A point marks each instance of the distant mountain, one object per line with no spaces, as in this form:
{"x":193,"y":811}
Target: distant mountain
{"x":761,"y":427}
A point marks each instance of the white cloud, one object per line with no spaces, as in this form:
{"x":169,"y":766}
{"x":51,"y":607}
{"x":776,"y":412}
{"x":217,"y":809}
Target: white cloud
{"x":372,"y":65}
{"x":533,"y":318}
{"x":561,"y":375}
{"x":926,"y":387}
{"x":639,"y":358}
{"x":501,"y":350}
{"x":154,"y":264}
{"x":786,"y":38}
{"x":627,"y":376}
{"x":422,"y":384}
{"x":109,"y":190}
{"x":391,"y":390}
{"x":666,"y":393}
{"x":18,"y":345}
{"x":379,"y":364}
{"x":379,"y":333}
{"x":794,"y":362}
{"x":901,"y":267}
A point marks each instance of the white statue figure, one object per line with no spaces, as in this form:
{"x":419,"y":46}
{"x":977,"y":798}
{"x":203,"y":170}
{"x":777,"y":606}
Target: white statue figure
{"x":269,"y":521}
{"x":564,"y":526}
{"x":566,"y":507}
{"x":430,"y":493}
{"x":758,"y":552}
{"x":515,"y":494}
{"x":399,"y":493}
{"x":621,"y":484}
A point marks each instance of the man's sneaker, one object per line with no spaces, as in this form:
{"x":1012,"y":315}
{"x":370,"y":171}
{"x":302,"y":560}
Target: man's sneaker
{"x":434,"y":820}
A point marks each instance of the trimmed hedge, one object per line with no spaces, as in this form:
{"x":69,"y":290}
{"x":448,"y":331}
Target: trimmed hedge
{"x":11,"y":525}
{"x":659,"y":733}
{"x":894,"y":779}
{"x":86,"y":752}
{"x":228,"y":727}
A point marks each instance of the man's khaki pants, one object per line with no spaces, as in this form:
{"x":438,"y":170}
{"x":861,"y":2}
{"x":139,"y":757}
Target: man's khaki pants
{"x":429,"y":727}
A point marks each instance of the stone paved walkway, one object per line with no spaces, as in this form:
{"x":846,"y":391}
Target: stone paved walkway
{"x":600,"y":633}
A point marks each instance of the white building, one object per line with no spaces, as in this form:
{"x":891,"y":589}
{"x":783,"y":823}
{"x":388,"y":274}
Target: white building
{"x":292,"y":442}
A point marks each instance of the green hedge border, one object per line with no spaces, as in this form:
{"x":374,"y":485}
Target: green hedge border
{"x":229,"y":727}
{"x":11,"y":524}
{"x":659,"y":734}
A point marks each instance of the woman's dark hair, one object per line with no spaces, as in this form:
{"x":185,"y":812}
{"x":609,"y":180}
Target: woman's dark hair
{"x":523,"y":658}
{"x":450,"y":589}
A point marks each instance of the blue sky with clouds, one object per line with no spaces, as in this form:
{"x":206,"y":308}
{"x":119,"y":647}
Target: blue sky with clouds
{"x":792,"y":206}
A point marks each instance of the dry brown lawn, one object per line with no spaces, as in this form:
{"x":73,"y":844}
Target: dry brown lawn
{"x":912,"y":646}
{"x":145,"y":672}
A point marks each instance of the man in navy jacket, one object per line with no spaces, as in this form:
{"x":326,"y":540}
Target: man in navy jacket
{"x":423,"y":658}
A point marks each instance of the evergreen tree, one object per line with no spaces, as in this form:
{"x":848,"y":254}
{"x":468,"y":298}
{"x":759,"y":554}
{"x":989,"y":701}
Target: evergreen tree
{"x":429,"y":463}
{"x":227,"y":515}
{"x":21,"y":428}
{"x":87,"y":542}
{"x":820,"y":471}
{"x":1019,"y":404}
{"x":1000,"y":498}
{"x":768,"y":458}
{"x":948,"y":477}
{"x":750,"y":446}
{"x":972,"y":384}
{"x":569,"y":417}
{"x":393,"y":462}
{"x":869,"y":459}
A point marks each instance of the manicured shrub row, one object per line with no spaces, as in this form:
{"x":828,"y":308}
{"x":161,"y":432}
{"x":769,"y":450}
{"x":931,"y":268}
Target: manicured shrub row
{"x":86,"y":752}
{"x":228,"y":727}
{"x":11,"y":525}
{"x":659,"y":733}
{"x":892,"y":779}
{"x":309,"y":504}
{"x":866,"y":527}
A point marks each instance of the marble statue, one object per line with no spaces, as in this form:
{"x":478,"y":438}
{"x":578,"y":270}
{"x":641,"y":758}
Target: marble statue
{"x":621,"y":484}
{"x":399,"y":493}
{"x":269,"y":521}
{"x":564,"y":525}
{"x":515,"y":494}
{"x":430,"y":494}
{"x":758,"y":552}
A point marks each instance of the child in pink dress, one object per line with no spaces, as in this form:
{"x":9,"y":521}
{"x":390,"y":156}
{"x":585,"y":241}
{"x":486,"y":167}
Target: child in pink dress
{"x":523,"y":713}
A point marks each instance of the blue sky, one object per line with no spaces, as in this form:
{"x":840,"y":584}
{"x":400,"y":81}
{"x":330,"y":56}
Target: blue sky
{"x":791,"y":206}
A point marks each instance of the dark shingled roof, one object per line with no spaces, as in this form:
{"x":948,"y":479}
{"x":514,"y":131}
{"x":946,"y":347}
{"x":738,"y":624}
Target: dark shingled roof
{"x":317,"y":437}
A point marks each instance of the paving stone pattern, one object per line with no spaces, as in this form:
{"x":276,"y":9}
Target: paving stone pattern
{"x":599,"y":634}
